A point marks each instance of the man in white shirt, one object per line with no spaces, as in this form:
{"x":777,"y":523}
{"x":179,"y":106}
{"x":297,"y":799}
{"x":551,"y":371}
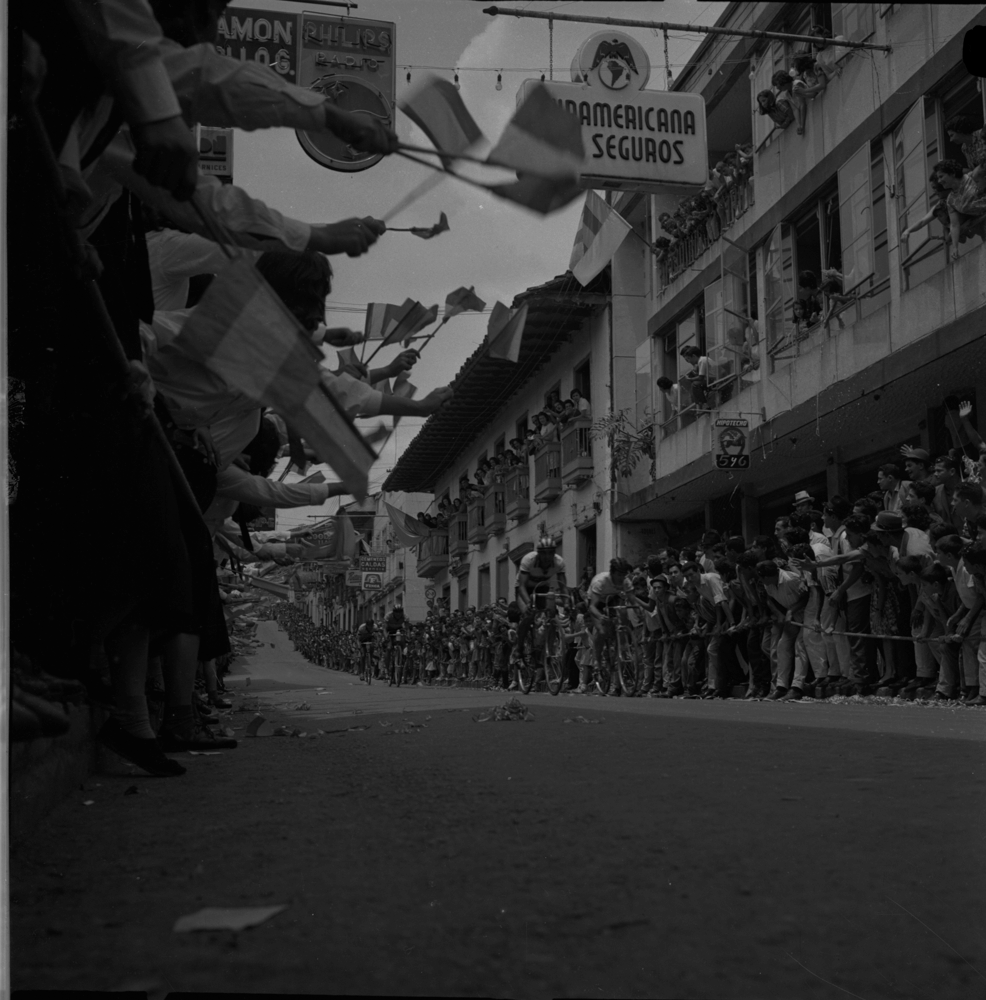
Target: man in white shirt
{"x":788,"y":596}
{"x":966,"y":623}
{"x":714,"y":608}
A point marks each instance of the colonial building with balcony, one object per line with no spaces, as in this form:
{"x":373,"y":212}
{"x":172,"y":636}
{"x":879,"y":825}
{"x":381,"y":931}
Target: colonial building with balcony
{"x":565,"y":484}
{"x":820,"y":405}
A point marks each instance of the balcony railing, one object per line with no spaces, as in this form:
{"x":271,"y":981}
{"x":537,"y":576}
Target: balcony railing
{"x":518,"y":484}
{"x":458,"y":535}
{"x":433,"y":554}
{"x":547,"y":472}
{"x":496,"y":509}
{"x":477,"y":519}
{"x":683,"y":252}
{"x":576,"y":451}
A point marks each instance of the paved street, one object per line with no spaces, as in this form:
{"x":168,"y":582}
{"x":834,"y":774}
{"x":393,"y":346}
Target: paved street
{"x":661,"y":849}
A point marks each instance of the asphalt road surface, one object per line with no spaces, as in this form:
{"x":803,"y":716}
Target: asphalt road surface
{"x":659,"y":849}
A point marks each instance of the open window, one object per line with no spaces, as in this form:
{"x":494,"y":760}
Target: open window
{"x":779,"y":289}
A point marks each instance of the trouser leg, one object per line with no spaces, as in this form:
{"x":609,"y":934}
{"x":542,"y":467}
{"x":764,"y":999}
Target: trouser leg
{"x":862,"y":651}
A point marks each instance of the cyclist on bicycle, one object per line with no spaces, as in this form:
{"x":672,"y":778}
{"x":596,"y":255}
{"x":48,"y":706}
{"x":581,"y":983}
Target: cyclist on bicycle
{"x":394,"y":623}
{"x":609,"y":589}
{"x":365,"y":637}
{"x":538,"y":571}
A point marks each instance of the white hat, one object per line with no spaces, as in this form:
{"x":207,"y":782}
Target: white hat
{"x":802,"y":496}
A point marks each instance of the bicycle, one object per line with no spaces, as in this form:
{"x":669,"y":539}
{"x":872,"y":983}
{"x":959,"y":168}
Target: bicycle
{"x":541,"y":612}
{"x":619,"y":655}
{"x":396,"y":658}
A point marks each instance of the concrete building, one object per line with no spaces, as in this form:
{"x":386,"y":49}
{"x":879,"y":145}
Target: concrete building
{"x":824,"y":404}
{"x":566,"y":345}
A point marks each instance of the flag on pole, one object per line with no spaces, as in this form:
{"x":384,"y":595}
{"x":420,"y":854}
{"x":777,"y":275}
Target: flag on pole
{"x":413,"y":317}
{"x":437,"y":109}
{"x":441,"y":226}
{"x":540,"y":194}
{"x":462,"y":300}
{"x":243,"y":333}
{"x":541,"y":139}
{"x":505,"y":331}
{"x":601,"y":232}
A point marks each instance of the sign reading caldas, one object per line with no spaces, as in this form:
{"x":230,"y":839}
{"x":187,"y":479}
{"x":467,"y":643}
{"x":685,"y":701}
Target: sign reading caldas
{"x":351,"y":61}
{"x":731,"y":442}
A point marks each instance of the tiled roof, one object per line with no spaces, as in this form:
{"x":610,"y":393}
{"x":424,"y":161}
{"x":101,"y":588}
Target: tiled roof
{"x":483,"y":385}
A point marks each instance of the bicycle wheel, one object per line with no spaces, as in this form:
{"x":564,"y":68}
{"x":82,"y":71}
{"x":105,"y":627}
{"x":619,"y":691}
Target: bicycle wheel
{"x":604,"y":667}
{"x":525,"y":666}
{"x":554,"y":662}
{"x":627,"y":665}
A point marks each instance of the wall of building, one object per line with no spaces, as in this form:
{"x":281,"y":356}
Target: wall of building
{"x":863,"y":104}
{"x":576,"y":508}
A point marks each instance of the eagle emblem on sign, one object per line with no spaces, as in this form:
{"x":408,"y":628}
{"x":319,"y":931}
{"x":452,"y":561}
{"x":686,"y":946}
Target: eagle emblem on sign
{"x":615,"y":63}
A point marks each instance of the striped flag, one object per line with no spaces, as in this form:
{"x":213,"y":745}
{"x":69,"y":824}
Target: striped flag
{"x":406,"y":528}
{"x":243,"y":333}
{"x":505,"y":331}
{"x":376,"y":319}
{"x":462,"y":300}
{"x":541,"y":140}
{"x":540,"y":194}
{"x":601,"y":232}
{"x":437,"y":109}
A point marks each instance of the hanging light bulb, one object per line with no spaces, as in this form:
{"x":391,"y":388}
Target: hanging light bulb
{"x":542,"y":77}
{"x":409,"y":74}
{"x":499,"y":80}
{"x":456,"y":79}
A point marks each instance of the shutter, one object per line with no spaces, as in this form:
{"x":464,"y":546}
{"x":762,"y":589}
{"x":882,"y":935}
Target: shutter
{"x":856,"y":219}
{"x":854,"y":21}
{"x":644,"y":385}
{"x":714,"y":329}
{"x":779,"y":289}
{"x":910,"y":164}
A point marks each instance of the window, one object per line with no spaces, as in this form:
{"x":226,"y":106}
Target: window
{"x":854,"y":21}
{"x":499,"y":446}
{"x":556,"y":388}
{"x":484,"y":586}
{"x":502,"y":578}
{"x":522,"y":427}
{"x":581,"y":380}
{"x":959,"y":96}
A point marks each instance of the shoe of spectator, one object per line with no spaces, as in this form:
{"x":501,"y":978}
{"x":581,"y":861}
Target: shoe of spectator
{"x":582,"y":689}
{"x":751,"y":694}
{"x":217,"y":701}
{"x":674,"y":691}
{"x":794,"y":694}
{"x":919,"y":682}
{"x":146,"y":754}
{"x":193,"y":737}
{"x":945,"y":697}
{"x":777,"y":694}
{"x":970,"y":696}
{"x":977,"y":701}
{"x":863,"y":690}
{"x":708,"y":695}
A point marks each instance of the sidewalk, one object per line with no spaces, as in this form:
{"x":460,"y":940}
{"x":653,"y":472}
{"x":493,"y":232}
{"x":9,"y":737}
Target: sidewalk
{"x":651,"y":853}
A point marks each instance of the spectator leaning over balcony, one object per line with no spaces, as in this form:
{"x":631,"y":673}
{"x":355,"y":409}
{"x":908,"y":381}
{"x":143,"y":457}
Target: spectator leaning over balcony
{"x":969,"y":134}
{"x":938,"y":211}
{"x":581,"y":404}
{"x":806,"y":83}
{"x":831,"y":288}
{"x":828,"y":52}
{"x":966,"y":199}
{"x":781,"y":82}
{"x":696,"y":380}
{"x":672,"y":393}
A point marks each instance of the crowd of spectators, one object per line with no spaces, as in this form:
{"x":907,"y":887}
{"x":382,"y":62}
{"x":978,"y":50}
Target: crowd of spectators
{"x":150,"y":442}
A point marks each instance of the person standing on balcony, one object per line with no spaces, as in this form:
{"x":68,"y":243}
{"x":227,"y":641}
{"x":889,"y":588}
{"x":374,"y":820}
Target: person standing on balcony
{"x":969,"y":134}
{"x":966,"y":199}
{"x":780,"y":112}
{"x":672,"y":394}
{"x":781,"y":82}
{"x":581,"y":404}
{"x":696,"y":380}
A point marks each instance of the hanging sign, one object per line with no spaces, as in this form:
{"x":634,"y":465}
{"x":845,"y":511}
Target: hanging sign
{"x":731,"y":442}
{"x":269,"y":37}
{"x":372,"y":581}
{"x":373,"y":564}
{"x":354,"y":578}
{"x":351,"y":61}
{"x":215,"y":151}
{"x":637,"y":140}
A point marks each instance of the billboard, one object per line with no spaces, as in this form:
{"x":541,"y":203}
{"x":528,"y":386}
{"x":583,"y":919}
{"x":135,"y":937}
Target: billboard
{"x":351,"y":61}
{"x":731,"y":442}
{"x":215,"y":151}
{"x":373,"y":581}
{"x":269,"y":37}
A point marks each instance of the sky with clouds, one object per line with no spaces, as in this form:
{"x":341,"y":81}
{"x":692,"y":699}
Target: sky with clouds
{"x":498,"y":247}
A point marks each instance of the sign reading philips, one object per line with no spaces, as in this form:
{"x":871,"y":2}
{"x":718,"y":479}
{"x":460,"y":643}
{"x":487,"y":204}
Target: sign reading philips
{"x":636,"y":139}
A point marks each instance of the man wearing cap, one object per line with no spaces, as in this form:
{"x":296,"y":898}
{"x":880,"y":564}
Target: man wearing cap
{"x":803,"y":501}
{"x":917,"y":466}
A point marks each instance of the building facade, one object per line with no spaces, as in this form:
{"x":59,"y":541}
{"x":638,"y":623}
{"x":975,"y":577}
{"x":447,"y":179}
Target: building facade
{"x":824,"y":404}
{"x":563,"y":487}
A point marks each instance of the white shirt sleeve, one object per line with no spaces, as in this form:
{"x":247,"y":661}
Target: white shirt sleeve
{"x":355,"y":397}
{"x":227,"y":93}
{"x":251,"y":223}
{"x":235,"y":483}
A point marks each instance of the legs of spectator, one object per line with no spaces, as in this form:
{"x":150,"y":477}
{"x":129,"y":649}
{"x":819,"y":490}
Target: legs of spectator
{"x":971,"y":663}
{"x":127,"y":652}
{"x":759,"y":662}
{"x":785,"y":635}
{"x":712,"y":652}
{"x":814,"y":642}
{"x":862,"y":652}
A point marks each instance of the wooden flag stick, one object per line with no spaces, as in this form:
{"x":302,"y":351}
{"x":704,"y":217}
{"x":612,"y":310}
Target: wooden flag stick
{"x":412,"y":196}
{"x":445,"y":319}
{"x":442,"y":170}
{"x":439,"y":152}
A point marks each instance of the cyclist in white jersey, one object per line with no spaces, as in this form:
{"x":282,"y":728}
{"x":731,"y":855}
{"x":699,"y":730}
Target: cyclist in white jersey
{"x":539,"y":570}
